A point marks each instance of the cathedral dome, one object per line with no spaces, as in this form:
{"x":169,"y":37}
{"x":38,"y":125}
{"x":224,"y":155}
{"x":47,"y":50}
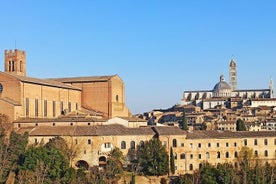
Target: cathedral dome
{"x":222,"y":88}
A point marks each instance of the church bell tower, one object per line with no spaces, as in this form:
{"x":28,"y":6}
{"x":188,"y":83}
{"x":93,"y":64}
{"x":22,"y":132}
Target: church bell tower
{"x":233,"y":75}
{"x":15,"y":62}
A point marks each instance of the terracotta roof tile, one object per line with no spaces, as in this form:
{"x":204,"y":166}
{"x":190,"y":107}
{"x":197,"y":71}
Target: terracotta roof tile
{"x":103,"y":130}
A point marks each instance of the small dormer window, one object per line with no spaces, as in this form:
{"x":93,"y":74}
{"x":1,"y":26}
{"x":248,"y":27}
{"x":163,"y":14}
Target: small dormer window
{"x":1,"y":88}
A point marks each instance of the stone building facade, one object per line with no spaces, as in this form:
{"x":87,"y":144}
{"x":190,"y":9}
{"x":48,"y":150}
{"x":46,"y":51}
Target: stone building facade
{"x":191,"y":149}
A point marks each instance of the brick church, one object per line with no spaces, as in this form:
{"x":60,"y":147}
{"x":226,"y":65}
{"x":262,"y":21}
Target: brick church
{"x":25,"y":98}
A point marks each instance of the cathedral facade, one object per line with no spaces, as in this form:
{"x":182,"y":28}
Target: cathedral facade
{"x":24,"y":97}
{"x":224,"y":92}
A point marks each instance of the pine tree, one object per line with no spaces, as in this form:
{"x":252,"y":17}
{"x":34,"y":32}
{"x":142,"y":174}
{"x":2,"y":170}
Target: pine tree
{"x":184,"y":122}
{"x":240,"y":126}
{"x":172,"y":161}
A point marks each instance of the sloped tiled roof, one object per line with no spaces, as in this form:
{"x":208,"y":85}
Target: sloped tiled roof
{"x":103,"y":130}
{"x":169,"y":130}
{"x":45,"y":82}
{"x":84,"y":79}
{"x":228,"y":134}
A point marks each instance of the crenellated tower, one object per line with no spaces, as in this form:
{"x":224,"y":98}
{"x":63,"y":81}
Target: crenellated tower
{"x":15,"y":62}
{"x":233,"y":75}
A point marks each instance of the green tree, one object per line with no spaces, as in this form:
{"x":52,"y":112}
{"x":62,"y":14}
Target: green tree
{"x":46,"y":163}
{"x":132,"y":181}
{"x":240,"y":126}
{"x":183,"y":179}
{"x":207,"y":174}
{"x":114,"y":167}
{"x":225,"y":173}
{"x":11,"y":151}
{"x":172,"y":166}
{"x":184,"y":124}
{"x":245,"y":160}
{"x":153,"y":158}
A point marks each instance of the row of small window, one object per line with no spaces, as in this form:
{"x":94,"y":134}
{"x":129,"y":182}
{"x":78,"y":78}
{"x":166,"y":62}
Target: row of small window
{"x":191,"y":166}
{"x":12,"y":65}
{"x":132,"y":144}
{"x":46,"y":109}
{"x":199,"y":145}
{"x":226,"y":144}
{"x":256,"y":142}
{"x":218,"y":155}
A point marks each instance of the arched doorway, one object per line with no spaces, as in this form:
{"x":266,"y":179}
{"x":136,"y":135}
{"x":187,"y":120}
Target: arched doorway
{"x":82,"y":164}
{"x":102,"y":161}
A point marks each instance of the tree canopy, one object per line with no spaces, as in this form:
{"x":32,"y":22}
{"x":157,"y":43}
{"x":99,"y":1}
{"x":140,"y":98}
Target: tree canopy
{"x":153,"y":157}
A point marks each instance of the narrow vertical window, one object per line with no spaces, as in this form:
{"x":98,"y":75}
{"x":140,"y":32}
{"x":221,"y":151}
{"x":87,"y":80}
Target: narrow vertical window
{"x":236,"y":154}
{"x":27,"y":107}
{"x":191,"y":167}
{"x":174,"y":143}
{"x":61,"y":107}
{"x":36,"y":107}
{"x":20,"y":63}
{"x":45,"y":108}
{"x":265,"y":142}
{"x":69,"y":106}
{"x":218,"y":154}
{"x":245,"y":142}
{"x":13,"y":66}
{"x":132,"y":145}
{"x":77,"y":106}
{"x":54,"y":109}
{"x":123,"y":145}
{"x":9,"y":66}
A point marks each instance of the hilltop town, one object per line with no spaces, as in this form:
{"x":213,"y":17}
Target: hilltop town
{"x":90,"y":115}
{"x":221,"y":107}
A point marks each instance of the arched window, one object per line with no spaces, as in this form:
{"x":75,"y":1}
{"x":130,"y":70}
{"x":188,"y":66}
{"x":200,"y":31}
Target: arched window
{"x":132,"y":145}
{"x":117,"y":98}
{"x":191,"y":167}
{"x":174,"y":143}
{"x":256,"y":153}
{"x":218,"y":154}
{"x":266,"y":153}
{"x":182,"y":156}
{"x":123,"y":145}
{"x":236,"y":154}
{"x":207,"y":155}
{"x":227,"y":154}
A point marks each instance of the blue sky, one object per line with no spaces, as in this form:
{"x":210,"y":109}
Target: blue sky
{"x":159,"y":48}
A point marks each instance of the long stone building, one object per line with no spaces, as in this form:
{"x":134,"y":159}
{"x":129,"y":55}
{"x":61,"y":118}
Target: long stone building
{"x":24,"y":97}
{"x":191,"y":149}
